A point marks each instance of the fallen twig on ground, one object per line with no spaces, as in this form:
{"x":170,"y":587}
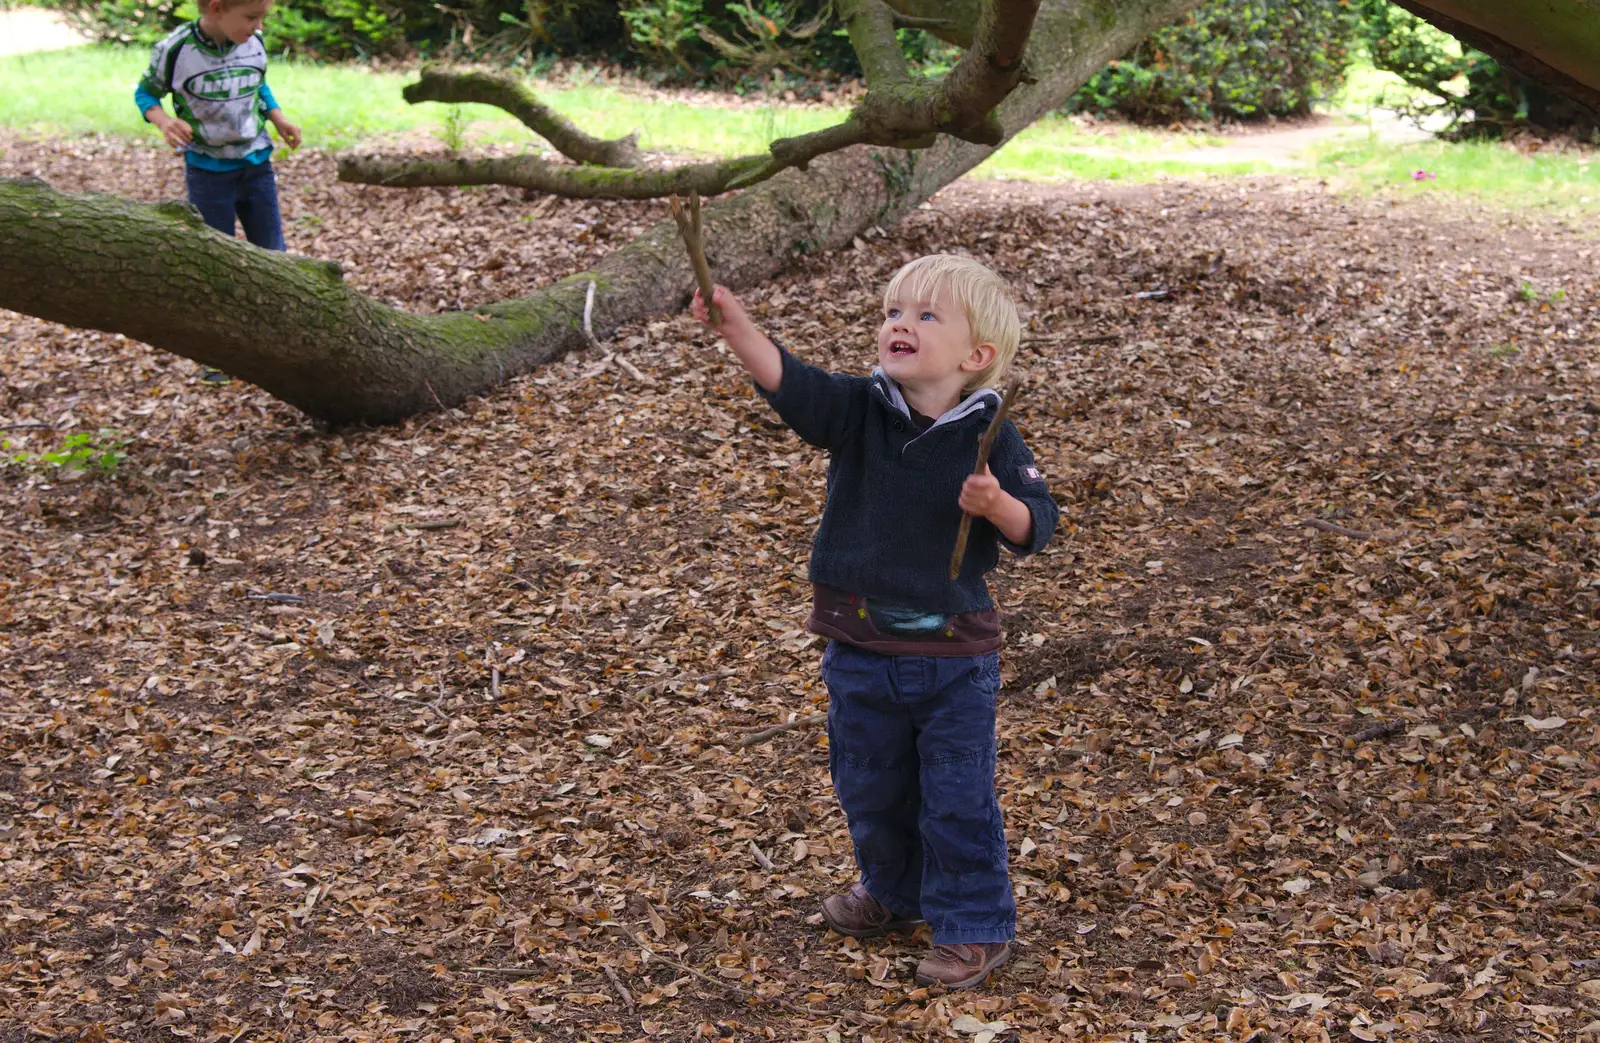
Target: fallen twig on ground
{"x":1378,"y":731}
{"x":778,"y":729}
{"x":1340,"y":530}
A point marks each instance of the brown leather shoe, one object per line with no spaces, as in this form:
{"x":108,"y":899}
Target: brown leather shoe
{"x":961,"y":966}
{"x":857,"y":914}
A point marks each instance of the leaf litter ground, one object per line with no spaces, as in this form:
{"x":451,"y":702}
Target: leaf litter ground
{"x":429,"y":732}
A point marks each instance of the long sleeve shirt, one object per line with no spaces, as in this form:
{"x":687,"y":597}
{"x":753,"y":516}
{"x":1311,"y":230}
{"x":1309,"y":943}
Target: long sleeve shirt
{"x":220,"y":90}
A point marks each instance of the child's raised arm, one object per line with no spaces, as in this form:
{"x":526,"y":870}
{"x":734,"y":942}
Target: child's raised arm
{"x":760,"y":356}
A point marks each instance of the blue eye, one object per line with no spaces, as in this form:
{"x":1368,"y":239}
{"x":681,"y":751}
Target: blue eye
{"x":894,"y":313}
{"x":929,"y":316}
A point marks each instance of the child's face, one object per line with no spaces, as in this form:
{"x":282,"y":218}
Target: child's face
{"x":928,"y":343}
{"x":239,"y":22}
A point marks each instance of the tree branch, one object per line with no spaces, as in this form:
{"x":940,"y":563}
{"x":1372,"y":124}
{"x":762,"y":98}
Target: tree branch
{"x":871,"y":26}
{"x":990,"y":70}
{"x":694,"y":241}
{"x":504,"y":92}
{"x":562,"y":179}
{"x":898,"y":110}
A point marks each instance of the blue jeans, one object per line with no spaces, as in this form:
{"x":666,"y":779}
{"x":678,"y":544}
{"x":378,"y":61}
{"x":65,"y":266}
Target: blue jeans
{"x":251,"y":192}
{"x":911,"y":748}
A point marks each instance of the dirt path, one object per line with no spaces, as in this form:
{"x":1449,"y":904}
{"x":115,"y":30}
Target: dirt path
{"x":24,"y":30}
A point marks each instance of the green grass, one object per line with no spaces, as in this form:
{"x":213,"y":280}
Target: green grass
{"x":337,"y":105}
{"x":340,"y":105}
{"x":1057,"y":148}
{"x":1566,"y":181}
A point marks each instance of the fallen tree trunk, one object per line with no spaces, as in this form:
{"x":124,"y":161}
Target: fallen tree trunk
{"x":293,"y":327}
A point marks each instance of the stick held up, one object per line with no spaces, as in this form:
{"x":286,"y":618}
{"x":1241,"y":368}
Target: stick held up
{"x":694,"y":240}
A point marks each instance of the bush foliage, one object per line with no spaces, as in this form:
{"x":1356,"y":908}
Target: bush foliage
{"x":681,"y":38}
{"x":1230,"y":60}
{"x":1470,"y":90}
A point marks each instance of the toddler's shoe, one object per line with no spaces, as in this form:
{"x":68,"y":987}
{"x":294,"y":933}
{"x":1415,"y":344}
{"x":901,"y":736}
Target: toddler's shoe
{"x":857,"y":914}
{"x":961,"y":966}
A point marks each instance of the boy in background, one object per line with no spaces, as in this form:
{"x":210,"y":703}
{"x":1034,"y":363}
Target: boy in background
{"x":215,"y":68}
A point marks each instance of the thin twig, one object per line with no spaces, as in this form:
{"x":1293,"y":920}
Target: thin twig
{"x":588,"y":314}
{"x":1153,"y":877}
{"x":634,"y":371}
{"x":509,"y":972}
{"x":25,"y":425}
{"x":984,"y":445}
{"x":694,"y":241}
{"x":616,"y":983}
{"x":778,"y":729}
{"x":761,"y":857}
{"x":273,"y":595}
{"x":1340,"y":530}
{"x":434,"y":393}
{"x":441,"y":523}
{"x":1379,"y":731}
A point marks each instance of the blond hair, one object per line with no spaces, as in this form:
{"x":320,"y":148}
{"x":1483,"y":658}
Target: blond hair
{"x":976,"y":289}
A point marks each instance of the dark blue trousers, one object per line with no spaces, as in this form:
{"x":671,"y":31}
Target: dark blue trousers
{"x":911,"y":748}
{"x":249,"y":193}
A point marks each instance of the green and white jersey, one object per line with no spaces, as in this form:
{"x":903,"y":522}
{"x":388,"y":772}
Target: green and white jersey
{"x":217,"y":92}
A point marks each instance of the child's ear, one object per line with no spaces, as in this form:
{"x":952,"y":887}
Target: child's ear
{"x":979,"y":358}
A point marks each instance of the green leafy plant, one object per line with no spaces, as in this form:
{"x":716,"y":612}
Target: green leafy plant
{"x":769,"y":38}
{"x":1230,"y":59}
{"x":661,"y":28}
{"x":1466,"y":90}
{"x":453,"y":128}
{"x":96,"y":454}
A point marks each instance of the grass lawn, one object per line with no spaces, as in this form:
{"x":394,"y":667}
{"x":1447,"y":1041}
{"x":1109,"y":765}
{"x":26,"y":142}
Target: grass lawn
{"x":338,"y":106}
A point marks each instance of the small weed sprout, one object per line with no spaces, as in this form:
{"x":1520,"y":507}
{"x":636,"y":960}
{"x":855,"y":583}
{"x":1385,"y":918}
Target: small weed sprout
{"x":95,"y":454}
{"x":453,"y":129}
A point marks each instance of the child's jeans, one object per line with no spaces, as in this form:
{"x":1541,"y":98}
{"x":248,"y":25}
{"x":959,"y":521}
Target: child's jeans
{"x":911,"y":747}
{"x":251,"y":192}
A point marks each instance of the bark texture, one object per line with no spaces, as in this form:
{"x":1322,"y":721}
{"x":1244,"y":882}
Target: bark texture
{"x":290,"y":324}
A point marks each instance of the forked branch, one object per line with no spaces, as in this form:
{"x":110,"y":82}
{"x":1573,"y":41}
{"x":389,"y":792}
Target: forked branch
{"x":898,"y":111}
{"x":694,"y":240}
{"x":464,"y":86}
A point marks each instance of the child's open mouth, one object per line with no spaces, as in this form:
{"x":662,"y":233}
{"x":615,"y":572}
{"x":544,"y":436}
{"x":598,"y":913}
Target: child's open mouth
{"x":900,"y":347}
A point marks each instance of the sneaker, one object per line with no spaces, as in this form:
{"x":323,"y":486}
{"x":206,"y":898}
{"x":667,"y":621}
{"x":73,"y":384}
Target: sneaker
{"x":961,"y":966}
{"x":214,"y":376}
{"x":857,"y":914}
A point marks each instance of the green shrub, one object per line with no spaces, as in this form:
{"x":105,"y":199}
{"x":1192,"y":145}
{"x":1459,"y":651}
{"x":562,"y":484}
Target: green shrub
{"x":685,"y":39}
{"x":1230,"y":60}
{"x":81,"y":453}
{"x":1467,"y":88}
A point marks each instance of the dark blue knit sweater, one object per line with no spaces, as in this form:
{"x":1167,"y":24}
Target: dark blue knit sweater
{"x":891,"y":519}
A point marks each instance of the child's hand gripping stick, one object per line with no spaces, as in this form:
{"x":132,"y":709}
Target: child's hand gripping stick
{"x":694,"y":239}
{"x":984,"y":445}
